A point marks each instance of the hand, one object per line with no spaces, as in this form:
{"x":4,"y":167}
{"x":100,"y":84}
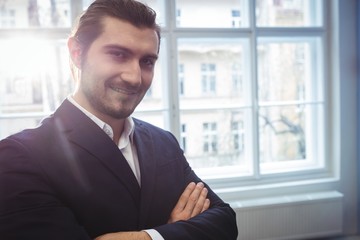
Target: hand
{"x":125,"y":236}
{"x":192,"y":202}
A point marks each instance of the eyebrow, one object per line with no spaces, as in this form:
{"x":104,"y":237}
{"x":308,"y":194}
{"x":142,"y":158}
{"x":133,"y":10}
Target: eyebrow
{"x":127,"y":50}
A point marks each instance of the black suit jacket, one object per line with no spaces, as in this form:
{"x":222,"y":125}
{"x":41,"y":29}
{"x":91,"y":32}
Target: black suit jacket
{"x":66,"y":179}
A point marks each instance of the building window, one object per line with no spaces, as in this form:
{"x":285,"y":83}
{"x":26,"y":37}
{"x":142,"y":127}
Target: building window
{"x":210,"y":138}
{"x":7,"y":17}
{"x":178,"y":17}
{"x":181,"y":79}
{"x":237,"y":81}
{"x":183,"y":136}
{"x":237,"y":130}
{"x":235,"y":18}
{"x":208,"y":78}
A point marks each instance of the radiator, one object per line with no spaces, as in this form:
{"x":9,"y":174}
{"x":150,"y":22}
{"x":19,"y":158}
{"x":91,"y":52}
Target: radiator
{"x":303,"y":216}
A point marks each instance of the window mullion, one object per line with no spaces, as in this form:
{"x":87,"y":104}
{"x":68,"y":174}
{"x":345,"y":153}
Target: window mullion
{"x":172,"y":83}
{"x":76,"y":8}
{"x":254,"y":134}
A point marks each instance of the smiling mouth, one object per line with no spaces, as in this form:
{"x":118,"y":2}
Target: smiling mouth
{"x":123,"y":91}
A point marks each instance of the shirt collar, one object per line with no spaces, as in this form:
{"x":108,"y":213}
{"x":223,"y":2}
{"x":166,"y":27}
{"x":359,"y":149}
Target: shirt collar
{"x":128,"y":131}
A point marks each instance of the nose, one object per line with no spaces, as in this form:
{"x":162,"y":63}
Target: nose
{"x":131,"y":76}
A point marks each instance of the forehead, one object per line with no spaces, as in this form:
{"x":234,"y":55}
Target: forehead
{"x":123,"y":33}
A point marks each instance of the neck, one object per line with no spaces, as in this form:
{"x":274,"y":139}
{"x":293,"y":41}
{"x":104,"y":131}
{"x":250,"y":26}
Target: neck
{"x":117,"y":127}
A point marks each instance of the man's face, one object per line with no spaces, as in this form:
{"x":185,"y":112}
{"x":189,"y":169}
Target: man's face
{"x":117,"y":70}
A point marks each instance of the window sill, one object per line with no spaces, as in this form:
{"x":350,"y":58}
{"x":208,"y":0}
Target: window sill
{"x":274,"y":190}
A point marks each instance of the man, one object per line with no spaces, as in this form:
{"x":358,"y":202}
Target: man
{"x":90,"y":170}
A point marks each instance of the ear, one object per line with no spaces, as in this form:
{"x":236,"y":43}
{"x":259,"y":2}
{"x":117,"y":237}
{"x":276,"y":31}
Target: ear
{"x":74,"y":51}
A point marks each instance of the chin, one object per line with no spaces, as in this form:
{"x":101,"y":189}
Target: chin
{"x":122,"y":114}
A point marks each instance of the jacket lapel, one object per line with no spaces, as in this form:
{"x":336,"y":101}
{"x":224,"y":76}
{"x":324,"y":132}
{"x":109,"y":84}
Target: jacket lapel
{"x":83,"y":132}
{"x":145,"y":151}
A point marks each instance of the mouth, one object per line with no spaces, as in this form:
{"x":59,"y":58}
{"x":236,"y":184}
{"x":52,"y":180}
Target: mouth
{"x":122,"y":90}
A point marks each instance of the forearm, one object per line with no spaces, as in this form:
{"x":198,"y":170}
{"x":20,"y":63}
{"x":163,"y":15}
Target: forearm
{"x":125,"y":236}
{"x":215,"y":223}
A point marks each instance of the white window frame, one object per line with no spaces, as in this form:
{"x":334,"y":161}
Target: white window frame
{"x":337,"y":161}
{"x":172,"y":33}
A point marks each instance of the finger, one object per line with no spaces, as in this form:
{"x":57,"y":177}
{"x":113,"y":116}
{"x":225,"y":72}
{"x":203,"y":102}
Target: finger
{"x":180,"y":205}
{"x":206,"y":205}
{"x":193,"y":198}
{"x":200,"y":203}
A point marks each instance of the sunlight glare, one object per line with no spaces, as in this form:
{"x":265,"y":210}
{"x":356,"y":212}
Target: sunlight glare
{"x":26,"y":57}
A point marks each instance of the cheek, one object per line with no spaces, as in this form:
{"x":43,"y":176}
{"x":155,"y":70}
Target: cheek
{"x":94,"y":74}
{"x":147,"y":80}
{"x":91,"y":82}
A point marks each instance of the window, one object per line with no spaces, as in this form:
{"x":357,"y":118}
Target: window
{"x":208,"y":78}
{"x":289,"y":13}
{"x":237,"y":130}
{"x":33,"y":13}
{"x":237,"y":80}
{"x":210,"y":138}
{"x":227,"y":13}
{"x":178,"y":17}
{"x":236,"y":18}
{"x":181,"y":80}
{"x":290,"y":96}
{"x":7,"y":18}
{"x":183,"y":137}
{"x":272,"y":81}
{"x":244,"y":92}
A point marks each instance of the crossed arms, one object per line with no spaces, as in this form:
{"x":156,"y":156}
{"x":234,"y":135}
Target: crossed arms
{"x":192,"y":202}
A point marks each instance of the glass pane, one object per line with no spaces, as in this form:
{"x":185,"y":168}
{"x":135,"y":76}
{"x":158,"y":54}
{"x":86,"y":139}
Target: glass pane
{"x":157,"y":5}
{"x":289,"y":69}
{"x":10,"y":126}
{"x":290,"y":137}
{"x":217,"y":142}
{"x":213,"y":73}
{"x":282,"y":135}
{"x":35,"y":13}
{"x":289,"y":13}
{"x":212,"y":13}
{"x":35,"y":75}
{"x":86,"y":3}
{"x":154,"y":117}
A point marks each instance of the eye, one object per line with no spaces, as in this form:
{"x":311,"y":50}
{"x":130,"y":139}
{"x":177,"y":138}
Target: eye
{"x":117,"y":54}
{"x":148,"y":62}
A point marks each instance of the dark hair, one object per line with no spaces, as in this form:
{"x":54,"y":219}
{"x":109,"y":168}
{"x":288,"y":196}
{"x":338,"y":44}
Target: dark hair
{"x":89,"y":25}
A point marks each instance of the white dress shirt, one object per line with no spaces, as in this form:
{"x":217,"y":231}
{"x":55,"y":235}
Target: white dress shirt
{"x":126,"y":146}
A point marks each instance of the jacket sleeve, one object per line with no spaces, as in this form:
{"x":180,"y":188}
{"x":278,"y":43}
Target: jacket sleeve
{"x":29,"y":208}
{"x":218,"y":222}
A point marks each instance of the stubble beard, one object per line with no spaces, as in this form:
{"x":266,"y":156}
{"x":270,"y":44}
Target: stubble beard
{"x":106,"y":107}
{"x":108,"y":110}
